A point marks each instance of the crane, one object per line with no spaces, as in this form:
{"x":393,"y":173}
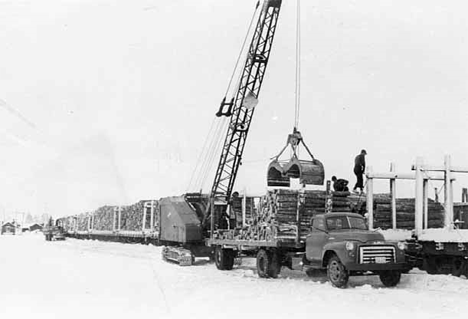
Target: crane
{"x":240,"y":109}
{"x":185,"y":237}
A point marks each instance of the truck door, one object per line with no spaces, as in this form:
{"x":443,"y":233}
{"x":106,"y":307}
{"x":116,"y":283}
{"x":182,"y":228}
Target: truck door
{"x":316,"y":240}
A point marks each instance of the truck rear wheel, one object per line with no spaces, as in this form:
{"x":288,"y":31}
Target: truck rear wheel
{"x":390,"y":278}
{"x":268,"y":264}
{"x":224,"y":258}
{"x":263,"y":263}
{"x":275,"y":264}
{"x":337,"y":273}
{"x":430,"y":266}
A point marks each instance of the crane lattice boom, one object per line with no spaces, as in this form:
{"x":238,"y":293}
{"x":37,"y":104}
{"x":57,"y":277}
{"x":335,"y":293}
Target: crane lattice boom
{"x":243,"y":105}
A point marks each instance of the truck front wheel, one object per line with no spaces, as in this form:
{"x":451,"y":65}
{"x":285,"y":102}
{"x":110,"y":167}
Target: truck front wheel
{"x":390,"y":278}
{"x":337,"y":273}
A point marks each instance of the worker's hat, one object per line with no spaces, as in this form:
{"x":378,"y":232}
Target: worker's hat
{"x":363,"y":152}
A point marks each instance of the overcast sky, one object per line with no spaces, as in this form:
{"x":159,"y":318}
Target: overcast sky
{"x":109,"y":102}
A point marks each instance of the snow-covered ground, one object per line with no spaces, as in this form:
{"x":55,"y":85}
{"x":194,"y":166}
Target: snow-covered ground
{"x":78,"y":279}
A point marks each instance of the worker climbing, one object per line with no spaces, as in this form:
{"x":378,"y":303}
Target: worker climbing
{"x":359,"y":168}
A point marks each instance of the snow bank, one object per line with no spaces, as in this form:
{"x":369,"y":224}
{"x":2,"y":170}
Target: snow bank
{"x":76,"y":279}
{"x":445,"y":235}
{"x":396,"y":235}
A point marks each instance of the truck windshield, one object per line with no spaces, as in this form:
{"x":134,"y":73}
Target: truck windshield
{"x":345,"y":222}
{"x":357,"y":223}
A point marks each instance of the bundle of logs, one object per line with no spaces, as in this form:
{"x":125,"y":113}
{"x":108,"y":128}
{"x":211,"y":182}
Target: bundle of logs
{"x":103,"y":218}
{"x":82,"y":221}
{"x":405,"y":208}
{"x":285,"y":214}
{"x":131,"y":217}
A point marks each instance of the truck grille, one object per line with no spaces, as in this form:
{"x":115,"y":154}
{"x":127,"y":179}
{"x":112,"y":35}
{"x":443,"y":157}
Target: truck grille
{"x":376,"y":254}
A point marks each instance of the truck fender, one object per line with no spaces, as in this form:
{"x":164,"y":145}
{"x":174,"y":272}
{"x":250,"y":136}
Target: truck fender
{"x":331,"y":249}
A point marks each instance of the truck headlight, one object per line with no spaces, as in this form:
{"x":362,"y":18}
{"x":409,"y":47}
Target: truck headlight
{"x":349,"y":245}
{"x":401,"y":245}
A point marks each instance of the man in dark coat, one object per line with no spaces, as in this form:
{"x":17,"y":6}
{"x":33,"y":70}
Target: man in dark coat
{"x":359,"y":168}
{"x":339,"y":184}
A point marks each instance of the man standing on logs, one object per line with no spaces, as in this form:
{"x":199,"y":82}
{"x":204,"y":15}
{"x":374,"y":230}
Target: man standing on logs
{"x":359,"y":168}
{"x":339,"y":184}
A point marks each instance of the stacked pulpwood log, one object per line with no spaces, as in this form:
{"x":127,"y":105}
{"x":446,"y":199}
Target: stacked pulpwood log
{"x":131,"y":217}
{"x":65,"y":222}
{"x":82,"y":220}
{"x":311,"y":203}
{"x":285,"y":215}
{"x":405,"y":208}
{"x":71,"y":223}
{"x":340,"y":202}
{"x":103,"y":218}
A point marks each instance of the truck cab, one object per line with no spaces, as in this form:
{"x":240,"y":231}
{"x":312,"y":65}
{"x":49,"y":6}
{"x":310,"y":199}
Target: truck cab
{"x":53,"y":231}
{"x":342,"y":244}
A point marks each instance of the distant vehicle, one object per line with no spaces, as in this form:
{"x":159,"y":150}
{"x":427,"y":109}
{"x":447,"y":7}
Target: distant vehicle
{"x":53,"y":232}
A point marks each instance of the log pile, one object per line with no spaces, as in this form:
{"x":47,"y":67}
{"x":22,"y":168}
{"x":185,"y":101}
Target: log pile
{"x":285,"y":215}
{"x":131,"y":217}
{"x":340,"y":202}
{"x":405,"y":208}
{"x":82,"y":220}
{"x":311,"y":203}
{"x":103,"y":218}
{"x":65,"y":222}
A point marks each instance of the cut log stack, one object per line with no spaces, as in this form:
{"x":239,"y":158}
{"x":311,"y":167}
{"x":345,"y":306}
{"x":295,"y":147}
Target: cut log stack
{"x":132,"y":217}
{"x":340,"y":202}
{"x":282,"y":213}
{"x":405,"y":208}
{"x":82,"y":220}
{"x":103,"y":218}
{"x":65,"y":222}
{"x":312,"y":203}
